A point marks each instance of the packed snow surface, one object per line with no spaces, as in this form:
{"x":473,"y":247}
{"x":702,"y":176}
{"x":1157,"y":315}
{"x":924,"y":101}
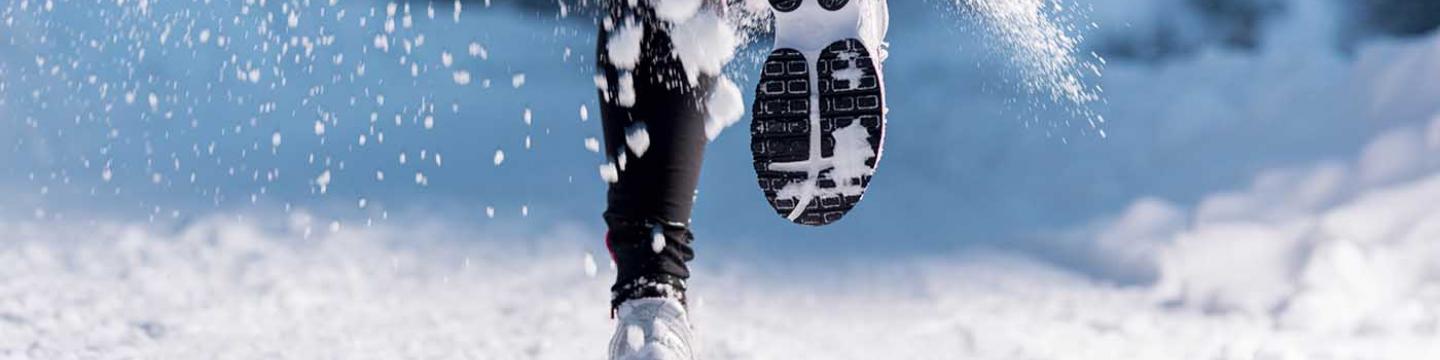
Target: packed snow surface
{"x":232,"y":287}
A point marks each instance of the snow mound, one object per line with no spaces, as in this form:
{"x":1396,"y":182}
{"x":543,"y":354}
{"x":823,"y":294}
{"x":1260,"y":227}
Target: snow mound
{"x":1336,"y":248}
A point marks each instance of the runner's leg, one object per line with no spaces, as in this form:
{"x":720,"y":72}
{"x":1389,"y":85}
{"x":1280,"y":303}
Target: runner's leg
{"x":656,"y":190}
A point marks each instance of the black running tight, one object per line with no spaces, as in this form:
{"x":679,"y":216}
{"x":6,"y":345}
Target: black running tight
{"x":655,"y":191}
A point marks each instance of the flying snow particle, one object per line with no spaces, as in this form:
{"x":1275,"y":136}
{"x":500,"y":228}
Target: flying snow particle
{"x":462,"y":77}
{"x":490,"y":212}
{"x":592,"y":144}
{"x":479,"y":51}
{"x":584,"y":113}
{"x":446,"y":59}
{"x":609,"y":173}
{"x":637,"y":138}
{"x":275,"y":140}
{"x":382,"y":42}
{"x":323,"y":181}
{"x":590,"y":266}
{"x":429,"y":122}
{"x":319,"y":128}
{"x":499,"y":157}
{"x":517,"y":80}
{"x":601,"y":82}
{"x":626,"y":96}
{"x":623,"y":47}
{"x":528,"y":116}
{"x":456,"y":14}
{"x":657,"y":239}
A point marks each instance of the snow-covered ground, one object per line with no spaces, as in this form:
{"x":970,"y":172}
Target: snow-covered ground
{"x":180,"y":189}
{"x":232,"y":288}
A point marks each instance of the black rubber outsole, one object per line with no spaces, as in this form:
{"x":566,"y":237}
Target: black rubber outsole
{"x":791,"y":5}
{"x":781,"y":129}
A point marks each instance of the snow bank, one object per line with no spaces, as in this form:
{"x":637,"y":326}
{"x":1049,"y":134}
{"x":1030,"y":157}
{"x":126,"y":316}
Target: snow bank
{"x":1350,"y":248}
{"x":1369,"y":266}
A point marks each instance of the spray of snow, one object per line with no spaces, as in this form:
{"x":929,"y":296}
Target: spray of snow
{"x":1042,"y":40}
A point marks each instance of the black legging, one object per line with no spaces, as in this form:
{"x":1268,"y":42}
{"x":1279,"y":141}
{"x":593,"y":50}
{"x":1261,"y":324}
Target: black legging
{"x":655,"y":191}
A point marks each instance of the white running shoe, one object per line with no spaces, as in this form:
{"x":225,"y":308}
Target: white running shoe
{"x":819,"y":115}
{"x":652,"y":329}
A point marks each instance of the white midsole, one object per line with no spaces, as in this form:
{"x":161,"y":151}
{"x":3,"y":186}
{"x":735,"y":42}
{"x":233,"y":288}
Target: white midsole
{"x":810,"y":28}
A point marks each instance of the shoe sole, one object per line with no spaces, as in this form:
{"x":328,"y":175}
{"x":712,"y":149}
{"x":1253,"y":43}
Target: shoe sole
{"x":817,"y":132}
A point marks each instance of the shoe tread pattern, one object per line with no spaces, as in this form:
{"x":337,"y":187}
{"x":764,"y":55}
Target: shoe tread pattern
{"x":842,"y":104}
{"x":780,"y":129}
{"x":780,"y":126}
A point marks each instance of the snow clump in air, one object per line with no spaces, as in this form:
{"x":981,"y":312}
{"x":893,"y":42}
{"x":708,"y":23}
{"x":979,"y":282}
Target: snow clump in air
{"x":623,"y":47}
{"x":724,"y":107}
{"x":637,"y":138}
{"x":704,"y":44}
{"x":676,"y":11}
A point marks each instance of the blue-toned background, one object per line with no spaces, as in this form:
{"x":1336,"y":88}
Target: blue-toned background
{"x":1228,"y":124}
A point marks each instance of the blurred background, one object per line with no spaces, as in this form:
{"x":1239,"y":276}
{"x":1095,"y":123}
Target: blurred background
{"x":1256,"y":179}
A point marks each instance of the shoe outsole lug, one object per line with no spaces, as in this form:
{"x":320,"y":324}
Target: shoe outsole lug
{"x":785,"y":5}
{"x":833,"y":5}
